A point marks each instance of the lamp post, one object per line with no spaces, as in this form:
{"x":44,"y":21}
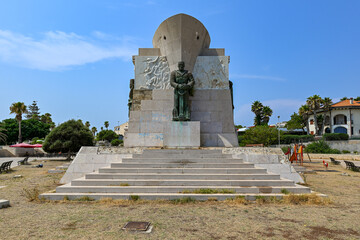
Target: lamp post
{"x":279,"y":130}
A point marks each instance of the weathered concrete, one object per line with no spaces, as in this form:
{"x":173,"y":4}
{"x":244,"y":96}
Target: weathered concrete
{"x":4,"y":203}
{"x":182,"y":134}
{"x":349,"y":145}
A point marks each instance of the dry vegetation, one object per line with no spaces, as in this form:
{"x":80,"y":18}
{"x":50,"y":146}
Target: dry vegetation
{"x":304,"y":217}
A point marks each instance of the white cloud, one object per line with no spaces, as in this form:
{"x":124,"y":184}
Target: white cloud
{"x":59,"y":50}
{"x":260,"y":77}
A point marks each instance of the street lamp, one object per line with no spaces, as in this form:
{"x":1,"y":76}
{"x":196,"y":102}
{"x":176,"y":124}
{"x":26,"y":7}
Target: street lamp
{"x":279,"y":130}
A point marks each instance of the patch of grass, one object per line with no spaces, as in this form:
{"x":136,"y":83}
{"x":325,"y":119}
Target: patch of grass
{"x":300,"y":199}
{"x":285,"y":191}
{"x":209,"y":191}
{"x":124,"y":184}
{"x":183,"y":200}
{"x":134,"y":197}
{"x":84,"y":199}
{"x":31,"y":194}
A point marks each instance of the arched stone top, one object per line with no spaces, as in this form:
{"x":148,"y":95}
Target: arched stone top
{"x":181,"y":38}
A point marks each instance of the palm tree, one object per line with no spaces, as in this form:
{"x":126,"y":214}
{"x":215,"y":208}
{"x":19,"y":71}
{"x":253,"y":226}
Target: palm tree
{"x":315,"y":103}
{"x":357,"y":99}
{"x":304,"y":111}
{"x":19,"y":109}
{"x":327,"y":102}
{"x":256,"y":108}
{"x":87,"y":124}
{"x":93,"y":130}
{"x":102,"y":128}
{"x":266,"y":114}
{"x":3,"y":136}
{"x":106,"y":124}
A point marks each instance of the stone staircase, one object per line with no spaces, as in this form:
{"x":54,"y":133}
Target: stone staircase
{"x":167,"y":174}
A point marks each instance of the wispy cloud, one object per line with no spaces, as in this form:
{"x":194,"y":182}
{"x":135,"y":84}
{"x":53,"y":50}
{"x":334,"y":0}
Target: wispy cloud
{"x":260,"y":77}
{"x":58,"y":50}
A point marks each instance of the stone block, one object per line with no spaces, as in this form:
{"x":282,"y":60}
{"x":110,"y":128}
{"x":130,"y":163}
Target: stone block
{"x":151,"y":127}
{"x":227,"y":140}
{"x":220,"y":94}
{"x":134,"y":116}
{"x":211,"y":127}
{"x":212,"y":52}
{"x":163,"y":94}
{"x":200,"y":95}
{"x":144,"y":139}
{"x":208,"y":140}
{"x":134,"y":127}
{"x":201,"y":116}
{"x":163,"y":116}
{"x":149,"y":52}
{"x":144,"y":94}
{"x":4,"y":203}
{"x":182,"y":134}
{"x":156,"y":105}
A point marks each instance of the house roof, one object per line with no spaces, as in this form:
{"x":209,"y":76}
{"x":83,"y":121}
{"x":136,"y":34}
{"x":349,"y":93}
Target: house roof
{"x":346,"y":103}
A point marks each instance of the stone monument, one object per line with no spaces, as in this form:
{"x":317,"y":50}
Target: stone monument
{"x":206,"y":119}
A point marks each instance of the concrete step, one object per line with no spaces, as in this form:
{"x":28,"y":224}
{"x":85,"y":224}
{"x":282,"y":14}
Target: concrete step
{"x":156,"y":196}
{"x":181,"y":160}
{"x":180,"y":182}
{"x":175,"y":189}
{"x":182,"y":151}
{"x":182,"y":165}
{"x":184,"y":170}
{"x":174,"y":155}
{"x":164,"y":177}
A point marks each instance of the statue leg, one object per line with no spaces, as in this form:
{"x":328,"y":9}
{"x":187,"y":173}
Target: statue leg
{"x":176,"y":107}
{"x":187,"y":107}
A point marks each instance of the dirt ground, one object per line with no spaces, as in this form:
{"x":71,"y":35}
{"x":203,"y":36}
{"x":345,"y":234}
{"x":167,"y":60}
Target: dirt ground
{"x":199,"y":220}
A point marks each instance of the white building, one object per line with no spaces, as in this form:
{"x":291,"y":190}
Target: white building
{"x":120,"y":130}
{"x":343,"y":117}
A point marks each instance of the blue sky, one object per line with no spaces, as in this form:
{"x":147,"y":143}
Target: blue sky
{"x":74,"y":57}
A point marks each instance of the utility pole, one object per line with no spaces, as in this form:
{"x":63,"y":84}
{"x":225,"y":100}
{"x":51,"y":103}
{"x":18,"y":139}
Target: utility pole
{"x":279,"y":129}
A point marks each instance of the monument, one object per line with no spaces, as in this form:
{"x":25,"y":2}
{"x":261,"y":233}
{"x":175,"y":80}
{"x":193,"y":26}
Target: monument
{"x":182,"y":96}
{"x":180,"y":99}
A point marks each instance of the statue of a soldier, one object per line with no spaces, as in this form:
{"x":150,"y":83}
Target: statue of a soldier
{"x":182,"y":81}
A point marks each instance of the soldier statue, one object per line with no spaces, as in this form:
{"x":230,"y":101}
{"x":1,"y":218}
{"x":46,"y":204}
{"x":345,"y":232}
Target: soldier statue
{"x":182,"y":81}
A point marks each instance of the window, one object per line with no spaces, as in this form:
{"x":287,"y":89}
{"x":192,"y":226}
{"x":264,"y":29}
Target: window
{"x":311,"y":121}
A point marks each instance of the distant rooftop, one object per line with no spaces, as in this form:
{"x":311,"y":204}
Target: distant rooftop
{"x":346,"y":103}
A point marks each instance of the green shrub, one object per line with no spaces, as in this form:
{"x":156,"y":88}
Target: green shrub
{"x":287,"y":139}
{"x":116,"y":142}
{"x":345,"y":151}
{"x":320,"y":147}
{"x":335,"y":136}
{"x":285,"y":149}
{"x":106,"y":135}
{"x":134,"y":197}
{"x":260,"y":135}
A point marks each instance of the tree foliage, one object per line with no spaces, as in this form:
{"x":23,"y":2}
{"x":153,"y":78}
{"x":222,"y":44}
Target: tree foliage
{"x":106,"y":124}
{"x":260,"y":135}
{"x":108,"y":135}
{"x":18,"y":109}
{"x":262,"y":113}
{"x":357,"y":98}
{"x":69,"y":136}
{"x":296,"y":122}
{"x":30,"y":128}
{"x":33,"y":111}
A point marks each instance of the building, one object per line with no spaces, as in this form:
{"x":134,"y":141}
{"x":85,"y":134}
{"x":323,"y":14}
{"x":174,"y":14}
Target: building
{"x":120,"y":130}
{"x":342,"y":117}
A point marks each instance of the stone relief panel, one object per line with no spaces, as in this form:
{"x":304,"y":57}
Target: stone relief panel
{"x":210,"y":72}
{"x":152,"y":73}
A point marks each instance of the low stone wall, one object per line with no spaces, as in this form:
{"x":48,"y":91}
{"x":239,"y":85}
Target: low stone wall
{"x":320,"y":156}
{"x":349,"y":145}
{"x":19,"y":152}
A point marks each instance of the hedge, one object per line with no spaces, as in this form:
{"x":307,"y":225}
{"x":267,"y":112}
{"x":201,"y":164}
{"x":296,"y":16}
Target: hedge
{"x":287,"y":139}
{"x":335,"y":136}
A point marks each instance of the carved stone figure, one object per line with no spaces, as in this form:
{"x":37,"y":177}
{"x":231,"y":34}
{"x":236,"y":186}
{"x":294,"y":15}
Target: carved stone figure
{"x":132,"y":84}
{"x":182,"y":81}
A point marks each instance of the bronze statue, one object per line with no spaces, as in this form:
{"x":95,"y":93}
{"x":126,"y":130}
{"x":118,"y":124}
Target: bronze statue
{"x":131,"y":95}
{"x":182,"y":81}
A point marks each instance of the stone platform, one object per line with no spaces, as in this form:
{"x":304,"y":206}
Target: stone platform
{"x":169,"y":173}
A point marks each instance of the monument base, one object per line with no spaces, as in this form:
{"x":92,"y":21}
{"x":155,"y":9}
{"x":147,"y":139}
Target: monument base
{"x":182,"y":134}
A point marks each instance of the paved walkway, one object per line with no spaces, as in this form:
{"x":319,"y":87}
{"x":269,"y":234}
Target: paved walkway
{"x":16,"y":159}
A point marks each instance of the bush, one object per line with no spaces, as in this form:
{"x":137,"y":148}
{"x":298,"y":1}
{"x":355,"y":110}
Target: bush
{"x":69,"y":136}
{"x":320,"y":147}
{"x":285,"y":149}
{"x":260,"y":135}
{"x":345,"y":151}
{"x":116,"y":142}
{"x":287,"y":139}
{"x":108,"y":135}
{"x":335,"y":136}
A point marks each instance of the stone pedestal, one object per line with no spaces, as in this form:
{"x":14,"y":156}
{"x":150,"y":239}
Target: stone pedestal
{"x":182,"y":134}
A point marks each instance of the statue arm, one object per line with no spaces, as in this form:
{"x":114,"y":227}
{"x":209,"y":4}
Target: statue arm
{"x":191,"y":81}
{"x":172,"y":80}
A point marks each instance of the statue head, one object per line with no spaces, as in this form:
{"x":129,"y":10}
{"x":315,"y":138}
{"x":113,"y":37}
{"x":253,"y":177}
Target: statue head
{"x":181,"y":66}
{"x":132,"y":83}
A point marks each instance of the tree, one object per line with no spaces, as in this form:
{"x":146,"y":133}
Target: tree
{"x":102,"y":128}
{"x":326,"y":106}
{"x":33,"y":111}
{"x":18,"y":109}
{"x":87,"y":124}
{"x":304,"y":112}
{"x":106,"y":124}
{"x":315,"y":103}
{"x":260,"y":135}
{"x":68,"y":137}
{"x":46,"y":118}
{"x":108,"y":135}
{"x":93,"y":130}
{"x":357,"y":99}
{"x":262,"y":113}
{"x":344,"y":98}
{"x":3,"y":136}
{"x":296,"y":122}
